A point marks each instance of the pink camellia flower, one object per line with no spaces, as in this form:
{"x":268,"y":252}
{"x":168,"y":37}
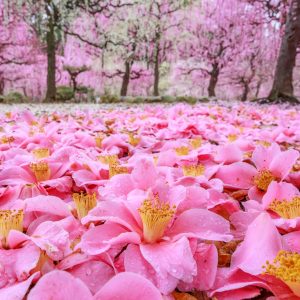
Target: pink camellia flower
{"x":153,"y":232}
{"x":281,"y":201}
{"x":269,"y":167}
{"x":36,"y":178}
{"x":263,"y":262}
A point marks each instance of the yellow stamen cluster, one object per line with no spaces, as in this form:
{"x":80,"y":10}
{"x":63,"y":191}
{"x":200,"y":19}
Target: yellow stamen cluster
{"x":115,"y":169}
{"x":241,"y":129}
{"x":264,"y":143}
{"x":155,"y":216}
{"x":8,"y":114}
{"x":286,"y":266}
{"x":287,"y":209}
{"x":98,"y":139}
{"x":10,"y":220}
{"x":108,"y":159}
{"x":194,"y":170}
{"x":41,"y":170}
{"x":196,"y":143}
{"x":133,"y":140}
{"x":247,"y":154}
{"x":7,"y":139}
{"x":33,"y":130}
{"x":263,"y":179}
{"x":41,"y":153}
{"x":182,"y":150}
{"x":84,"y":203}
{"x":232,"y":137}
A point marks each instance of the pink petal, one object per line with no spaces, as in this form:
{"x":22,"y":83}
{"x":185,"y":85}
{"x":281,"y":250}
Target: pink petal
{"x":18,"y":290}
{"x":100,"y":238}
{"x":128,"y":286}
{"x":237,"y":175}
{"x":136,"y":263}
{"x":48,"y":205}
{"x":60,"y":285}
{"x":262,"y":242}
{"x":170,"y":259}
{"x":144,"y":174}
{"x":229,"y":153}
{"x":280,"y":169}
{"x":15,"y":176}
{"x":206,"y":257}
{"x":93,"y":273}
{"x":279,"y":191}
{"x":52,"y":238}
{"x":202,"y":224}
{"x":263,"y":156}
{"x":291,"y":241}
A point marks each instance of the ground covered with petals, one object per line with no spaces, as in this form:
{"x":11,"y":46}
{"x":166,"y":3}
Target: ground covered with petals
{"x":152,"y":202}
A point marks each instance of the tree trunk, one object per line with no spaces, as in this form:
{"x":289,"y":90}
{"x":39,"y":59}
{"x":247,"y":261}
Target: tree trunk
{"x":74,"y":82}
{"x":245,"y":92}
{"x":258,"y":86}
{"x":283,"y":79}
{"x":156,"y":72}
{"x":213,"y":80}
{"x":51,"y":60}
{"x":1,"y":86}
{"x":126,"y":78}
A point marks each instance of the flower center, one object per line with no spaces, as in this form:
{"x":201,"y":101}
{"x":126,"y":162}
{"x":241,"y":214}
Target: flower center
{"x":263,"y":179}
{"x":196,"y":143}
{"x":194,"y":170}
{"x":41,"y":170}
{"x":232,"y":137}
{"x":115,"y":169}
{"x":287,"y":209}
{"x":155,"y":216}
{"x":247,"y":154}
{"x":98,"y":139}
{"x":133,"y":140}
{"x":182,"y":150}
{"x":7,"y":139}
{"x":266,"y":144}
{"x":108,"y":159}
{"x":286,"y":266}
{"x":8,"y":114}
{"x":84,"y":203}
{"x":41,"y":153}
{"x":9,"y":220}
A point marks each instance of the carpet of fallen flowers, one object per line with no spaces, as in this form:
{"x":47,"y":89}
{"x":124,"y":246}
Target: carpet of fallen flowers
{"x":153,"y":202}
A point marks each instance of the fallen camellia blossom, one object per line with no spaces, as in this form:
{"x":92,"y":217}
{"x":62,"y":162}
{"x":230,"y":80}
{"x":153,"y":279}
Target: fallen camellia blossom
{"x":152,"y":202}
